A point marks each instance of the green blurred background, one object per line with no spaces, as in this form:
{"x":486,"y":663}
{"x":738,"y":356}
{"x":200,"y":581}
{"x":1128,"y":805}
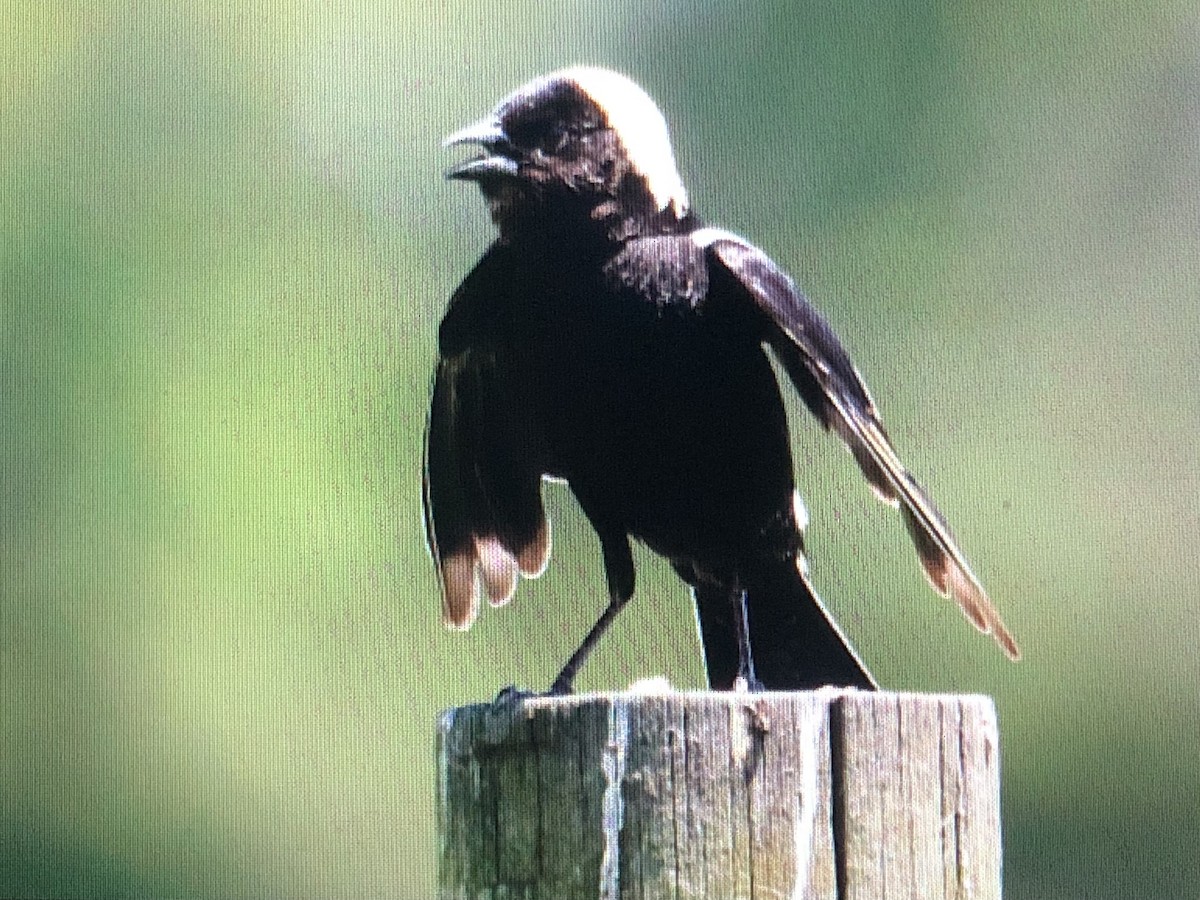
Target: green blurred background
{"x":225,"y":243}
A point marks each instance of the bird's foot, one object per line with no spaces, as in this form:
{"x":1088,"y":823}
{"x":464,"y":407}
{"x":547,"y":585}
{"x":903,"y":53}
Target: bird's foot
{"x":562,"y":687}
{"x":513,"y":694}
{"x":748,"y":685}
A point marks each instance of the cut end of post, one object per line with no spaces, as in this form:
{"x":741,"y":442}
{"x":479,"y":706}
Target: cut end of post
{"x":654,"y":793}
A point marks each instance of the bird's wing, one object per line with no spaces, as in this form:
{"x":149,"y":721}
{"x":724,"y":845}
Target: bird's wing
{"x":484,"y":520}
{"x":832,"y":389}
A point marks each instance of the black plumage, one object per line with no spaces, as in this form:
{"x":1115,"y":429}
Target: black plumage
{"x":609,"y":339}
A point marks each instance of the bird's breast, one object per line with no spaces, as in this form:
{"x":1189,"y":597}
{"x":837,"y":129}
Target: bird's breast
{"x":672,"y":416}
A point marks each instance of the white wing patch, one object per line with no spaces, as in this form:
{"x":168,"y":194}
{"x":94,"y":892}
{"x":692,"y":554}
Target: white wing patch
{"x":706,"y":237}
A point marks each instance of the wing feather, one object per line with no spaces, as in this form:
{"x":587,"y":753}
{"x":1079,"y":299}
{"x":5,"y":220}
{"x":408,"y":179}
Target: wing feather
{"x":485,"y":523}
{"x":834,"y":391}
{"x":484,"y":520}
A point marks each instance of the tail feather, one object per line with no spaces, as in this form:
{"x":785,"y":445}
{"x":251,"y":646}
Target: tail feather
{"x":795,"y":642}
{"x":938,"y":550}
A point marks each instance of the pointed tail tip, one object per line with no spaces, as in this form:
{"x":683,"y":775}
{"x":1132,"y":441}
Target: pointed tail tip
{"x":533,"y":558}
{"x":498,"y":569}
{"x":971,"y":598}
{"x":1006,"y":642}
{"x":460,"y":589}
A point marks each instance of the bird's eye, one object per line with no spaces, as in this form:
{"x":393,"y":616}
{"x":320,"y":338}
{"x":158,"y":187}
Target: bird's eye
{"x":548,"y":138}
{"x":543,"y":134}
{"x":555,"y":140}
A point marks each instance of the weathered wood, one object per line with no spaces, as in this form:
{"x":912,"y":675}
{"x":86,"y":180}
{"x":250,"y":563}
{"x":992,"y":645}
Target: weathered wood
{"x":827,"y":794}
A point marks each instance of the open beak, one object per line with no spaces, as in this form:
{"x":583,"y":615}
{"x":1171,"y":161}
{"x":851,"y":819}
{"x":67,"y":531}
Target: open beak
{"x":493,"y":161}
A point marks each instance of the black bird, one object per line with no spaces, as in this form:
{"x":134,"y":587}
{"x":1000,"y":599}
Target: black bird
{"x":610,"y":340}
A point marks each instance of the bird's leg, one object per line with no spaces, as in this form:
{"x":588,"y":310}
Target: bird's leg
{"x":741,"y":617}
{"x":512,"y":694}
{"x":618,"y":566}
{"x":563,"y":683}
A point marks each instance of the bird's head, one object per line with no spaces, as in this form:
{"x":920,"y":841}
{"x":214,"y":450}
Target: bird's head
{"x":577,"y":146}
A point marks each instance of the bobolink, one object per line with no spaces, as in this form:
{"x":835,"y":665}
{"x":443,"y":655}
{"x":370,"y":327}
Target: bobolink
{"x":609,"y":339}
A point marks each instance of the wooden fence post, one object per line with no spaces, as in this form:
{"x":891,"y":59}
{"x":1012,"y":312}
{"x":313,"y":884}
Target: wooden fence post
{"x":829,"y":794}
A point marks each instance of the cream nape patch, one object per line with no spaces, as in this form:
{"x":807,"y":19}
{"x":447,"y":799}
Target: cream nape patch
{"x":641,"y":127}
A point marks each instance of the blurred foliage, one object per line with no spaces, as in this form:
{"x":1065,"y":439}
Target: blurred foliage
{"x":224,"y":247}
